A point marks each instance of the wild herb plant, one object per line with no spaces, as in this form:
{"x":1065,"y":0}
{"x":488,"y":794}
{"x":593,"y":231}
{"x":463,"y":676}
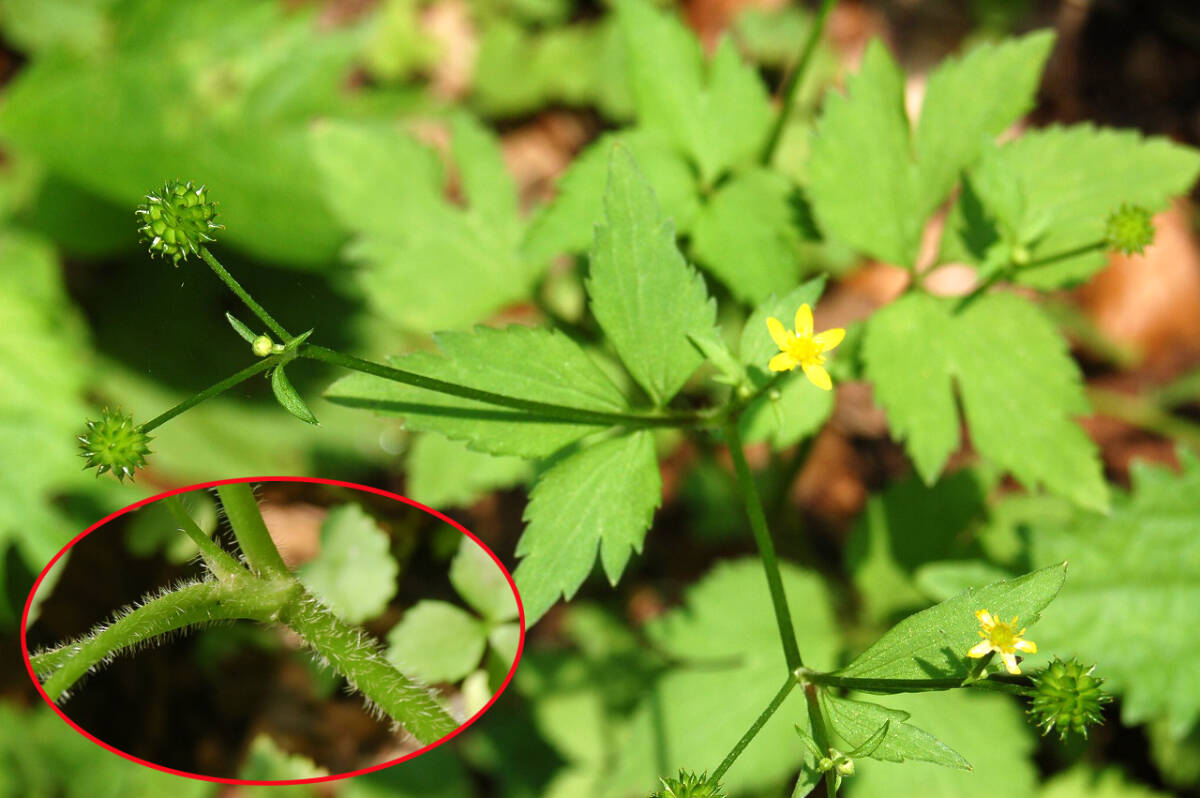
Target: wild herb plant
{"x":611,"y":384}
{"x":323,"y":603}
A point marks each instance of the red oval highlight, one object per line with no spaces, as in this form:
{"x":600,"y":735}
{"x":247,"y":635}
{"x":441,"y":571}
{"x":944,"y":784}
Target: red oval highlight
{"x":29,"y":602}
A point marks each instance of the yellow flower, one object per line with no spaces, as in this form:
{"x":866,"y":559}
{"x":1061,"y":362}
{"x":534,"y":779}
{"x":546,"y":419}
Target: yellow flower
{"x":1003,"y":638}
{"x":802,"y":348}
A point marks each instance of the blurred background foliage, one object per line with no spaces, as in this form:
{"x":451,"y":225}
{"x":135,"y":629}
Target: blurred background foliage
{"x":275,"y":105}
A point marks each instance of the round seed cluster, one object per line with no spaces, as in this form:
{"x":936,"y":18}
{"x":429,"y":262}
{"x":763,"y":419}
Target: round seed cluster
{"x":114,"y":444}
{"x":1068,"y":698}
{"x":1129,"y":229}
{"x":690,"y":785}
{"x":177,"y":220}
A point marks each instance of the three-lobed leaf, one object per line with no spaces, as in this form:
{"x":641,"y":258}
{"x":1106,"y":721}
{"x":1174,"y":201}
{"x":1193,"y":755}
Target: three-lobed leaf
{"x":1018,"y":385}
{"x":437,"y":642}
{"x":355,"y":573}
{"x":481,"y":583}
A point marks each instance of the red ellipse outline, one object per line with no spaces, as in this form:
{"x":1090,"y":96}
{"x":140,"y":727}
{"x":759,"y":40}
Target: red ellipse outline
{"x":260,"y":783}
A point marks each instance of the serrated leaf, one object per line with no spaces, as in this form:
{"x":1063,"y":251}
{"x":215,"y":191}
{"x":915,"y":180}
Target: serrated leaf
{"x":1018,"y":385}
{"x":1129,"y":606}
{"x":730,"y":665}
{"x":718,"y":113}
{"x":1055,"y":187}
{"x":437,"y":642}
{"x":355,"y":573}
{"x":445,"y":473}
{"x":481,"y":583}
{"x":990,"y":731}
{"x":873,"y":183}
{"x":747,"y":235}
{"x":288,"y":399}
{"x":603,"y":496}
{"x":565,"y":225}
{"x":521,"y":362}
{"x":429,"y":264}
{"x":933,"y":643}
{"x":644,"y":295}
{"x":856,"y":722}
{"x":971,"y":99}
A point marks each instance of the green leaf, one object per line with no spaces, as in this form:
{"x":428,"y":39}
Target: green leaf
{"x":969,"y":100}
{"x":1018,"y":406}
{"x":747,"y":235}
{"x":438,"y":773}
{"x":266,"y":761}
{"x":904,"y":527}
{"x":481,"y":583}
{"x":565,"y":225}
{"x":933,"y":643}
{"x":355,"y":573}
{"x":445,"y":473}
{"x":1054,"y":188}
{"x":717,"y":115}
{"x":644,"y":295}
{"x":429,"y":264}
{"x":989,"y":730}
{"x":730,"y":666}
{"x":603,"y":496}
{"x":288,"y":399}
{"x":244,"y":332}
{"x":437,"y":642}
{"x":521,"y":362}
{"x":855,"y":722}
{"x":873,"y":183}
{"x":1129,"y":606}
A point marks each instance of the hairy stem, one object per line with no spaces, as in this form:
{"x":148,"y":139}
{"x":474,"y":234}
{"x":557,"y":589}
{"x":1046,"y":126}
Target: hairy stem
{"x":237,"y":499}
{"x":213,"y":390}
{"x":244,"y":295}
{"x":219,"y":561}
{"x":766,"y":549}
{"x":570,"y":415}
{"x":353,"y":654}
{"x":244,"y":597}
{"x":792,"y":83}
{"x":754,"y":729}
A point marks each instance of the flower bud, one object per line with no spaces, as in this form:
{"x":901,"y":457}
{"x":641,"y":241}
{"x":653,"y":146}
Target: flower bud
{"x":177,"y":221}
{"x":262,"y":346}
{"x":114,"y":444}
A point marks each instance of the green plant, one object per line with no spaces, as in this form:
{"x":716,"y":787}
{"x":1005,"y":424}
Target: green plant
{"x":638,"y":355}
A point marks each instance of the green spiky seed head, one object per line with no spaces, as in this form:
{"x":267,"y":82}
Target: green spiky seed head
{"x":1067,"y":697}
{"x":1129,"y":230}
{"x":690,"y":785}
{"x":177,"y":220}
{"x":114,"y":443}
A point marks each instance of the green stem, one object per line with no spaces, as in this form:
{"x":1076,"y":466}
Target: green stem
{"x":754,"y":729}
{"x":979,"y":290}
{"x":244,"y":295}
{"x":352,"y":654}
{"x":820,"y":733}
{"x":766,"y":549}
{"x":792,"y":84}
{"x":561,"y":413}
{"x":213,"y":390}
{"x":241,"y":508}
{"x":243,"y":597}
{"x":219,"y":561}
{"x":903,"y":685}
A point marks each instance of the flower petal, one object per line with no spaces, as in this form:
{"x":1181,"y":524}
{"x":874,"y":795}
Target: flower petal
{"x":985,"y":619}
{"x":804,"y":321}
{"x":1028,"y":646}
{"x":980,"y":649}
{"x":782,"y":362}
{"x":778,"y":333}
{"x":829,"y":339}
{"x":1010,"y":662}
{"x":818,"y":376}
